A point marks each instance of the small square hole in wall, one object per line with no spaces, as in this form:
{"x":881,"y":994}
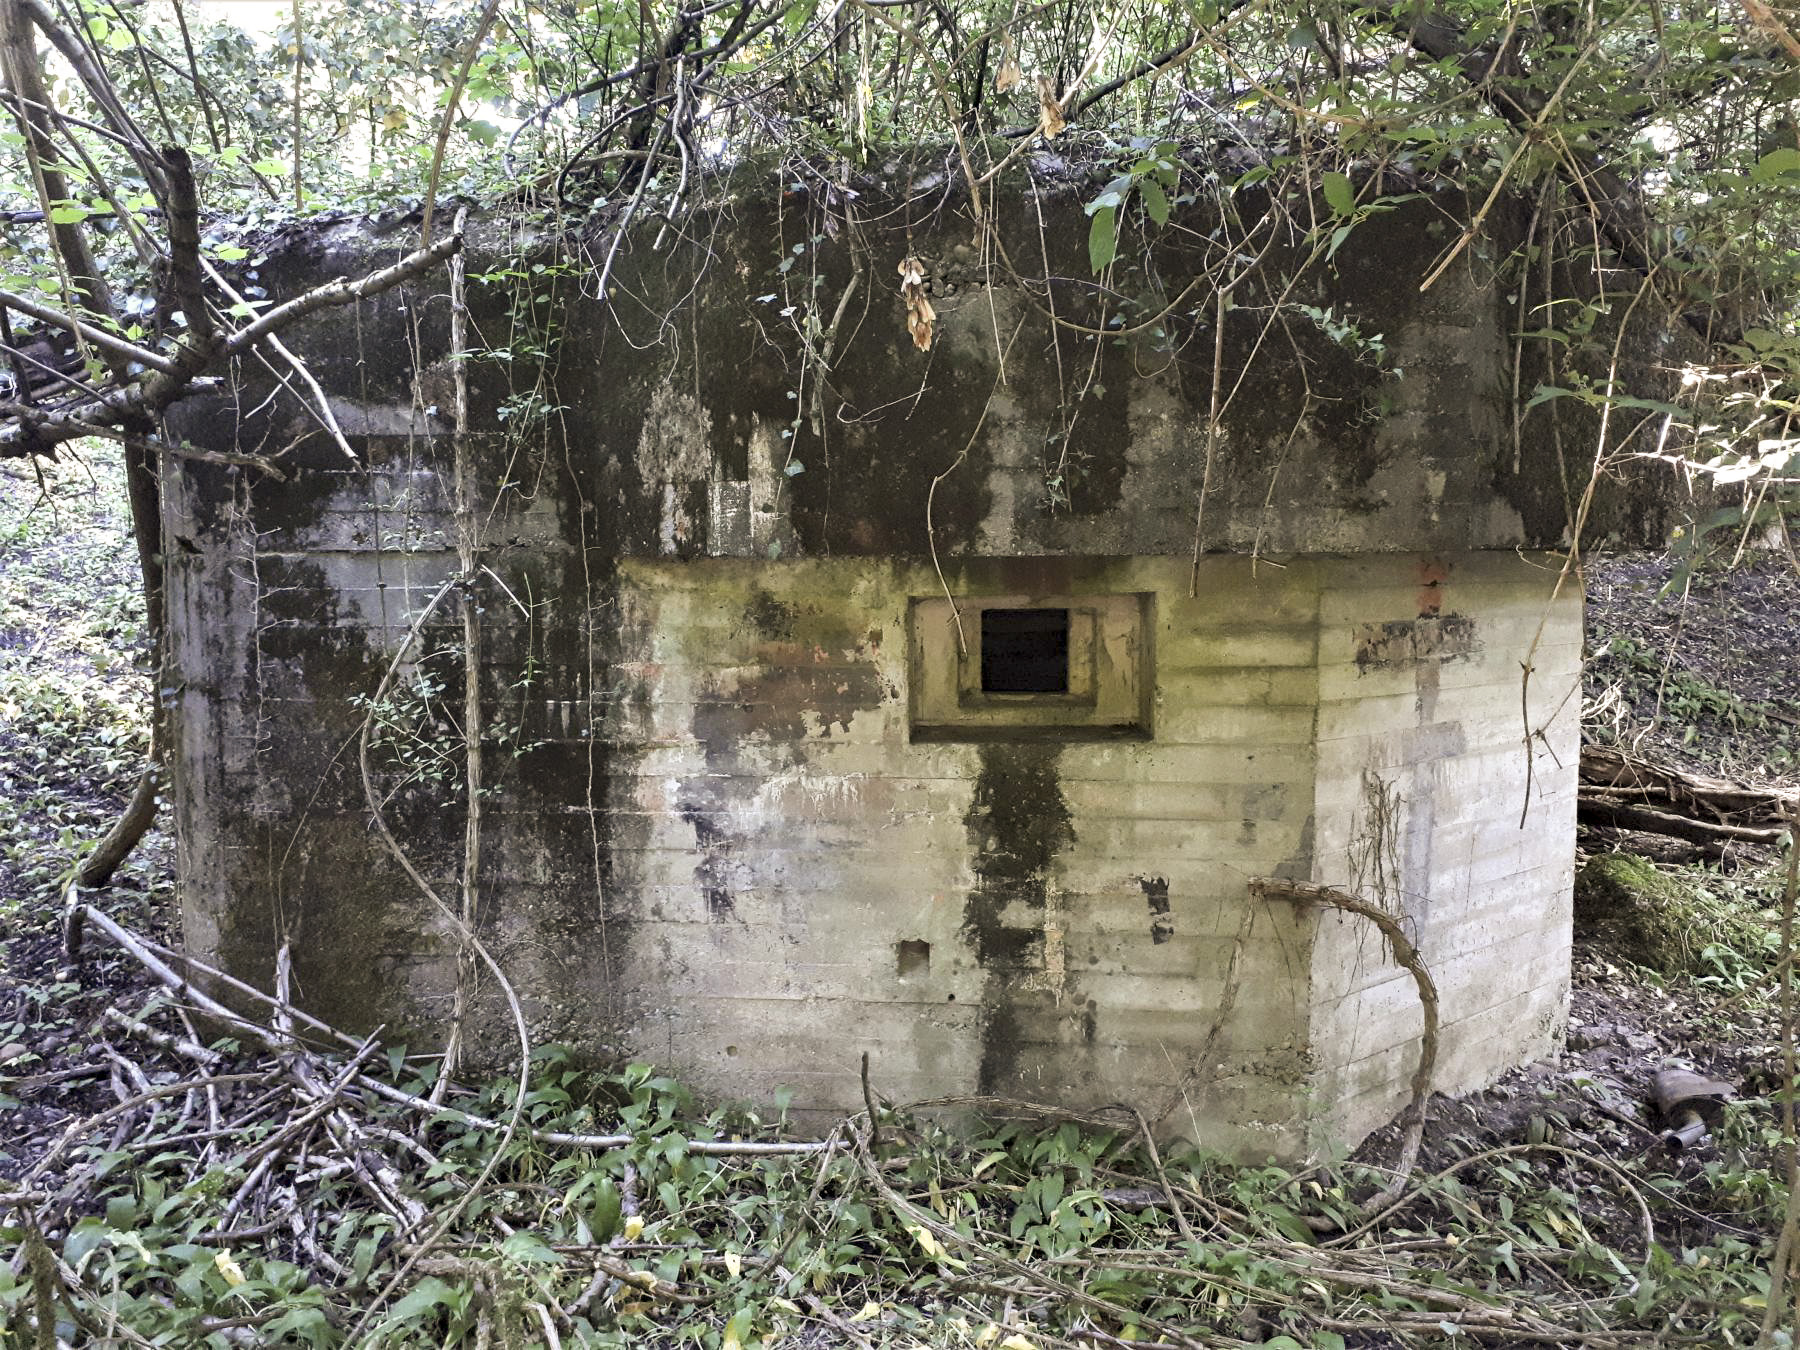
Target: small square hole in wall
{"x":1024,"y":651}
{"x":915,"y":958}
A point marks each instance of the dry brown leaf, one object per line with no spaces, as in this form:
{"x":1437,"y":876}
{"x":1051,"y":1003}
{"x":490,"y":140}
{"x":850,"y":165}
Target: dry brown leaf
{"x":1007,"y":75}
{"x":920,"y":316}
{"x":1050,"y":112}
{"x":919,"y":319}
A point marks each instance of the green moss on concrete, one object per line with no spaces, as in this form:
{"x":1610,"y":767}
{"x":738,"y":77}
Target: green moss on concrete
{"x":1662,"y":920}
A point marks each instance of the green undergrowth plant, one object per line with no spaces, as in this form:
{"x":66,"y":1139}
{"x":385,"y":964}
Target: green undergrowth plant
{"x":622,"y":1214}
{"x":75,"y":690}
{"x":1683,"y":695}
{"x":1644,"y":690}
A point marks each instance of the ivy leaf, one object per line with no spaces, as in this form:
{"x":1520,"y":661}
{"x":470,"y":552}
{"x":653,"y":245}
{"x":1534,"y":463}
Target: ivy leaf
{"x":1103,"y":238}
{"x":1339,"y":195}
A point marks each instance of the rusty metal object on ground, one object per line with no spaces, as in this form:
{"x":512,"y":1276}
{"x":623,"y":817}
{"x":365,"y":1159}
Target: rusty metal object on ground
{"x":1690,"y":1104}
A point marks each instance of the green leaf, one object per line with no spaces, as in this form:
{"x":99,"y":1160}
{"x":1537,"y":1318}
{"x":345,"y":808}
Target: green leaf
{"x":230,"y":253}
{"x":604,"y":1217}
{"x":1339,"y":195}
{"x":310,"y":1324}
{"x":87,"y":1235}
{"x":1156,"y":202}
{"x":1776,"y":163}
{"x":69,"y":213}
{"x":529,"y":1249}
{"x":1103,"y":238}
{"x":427,"y":1294}
{"x":1290,"y":1223}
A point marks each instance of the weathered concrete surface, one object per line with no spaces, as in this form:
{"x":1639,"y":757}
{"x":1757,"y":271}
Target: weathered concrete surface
{"x":1446,"y":788}
{"x":712,"y":839}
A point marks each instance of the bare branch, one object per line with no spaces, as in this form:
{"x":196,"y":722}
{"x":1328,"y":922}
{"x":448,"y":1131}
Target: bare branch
{"x":147,"y":397}
{"x":341,"y":292}
{"x":184,"y":243}
{"x":98,"y":336}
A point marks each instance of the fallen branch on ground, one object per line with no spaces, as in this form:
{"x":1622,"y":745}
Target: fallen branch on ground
{"x":1625,"y":792}
{"x":295,"y":1135}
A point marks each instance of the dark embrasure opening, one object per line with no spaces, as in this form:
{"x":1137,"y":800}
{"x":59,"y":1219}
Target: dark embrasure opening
{"x":1024,"y":651}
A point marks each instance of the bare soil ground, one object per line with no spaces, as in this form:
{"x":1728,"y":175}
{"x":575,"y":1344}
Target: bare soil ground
{"x":1704,"y":675}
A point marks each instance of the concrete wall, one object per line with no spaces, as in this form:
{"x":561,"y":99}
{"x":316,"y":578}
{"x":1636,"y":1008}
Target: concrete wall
{"x":711,"y":838}
{"x":1446,"y":788}
{"x":777,"y":836}
{"x":720,"y":849}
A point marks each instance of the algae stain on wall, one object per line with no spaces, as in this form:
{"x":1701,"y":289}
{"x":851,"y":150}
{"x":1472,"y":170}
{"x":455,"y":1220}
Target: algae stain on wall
{"x":1015,"y":919}
{"x":804,"y":676}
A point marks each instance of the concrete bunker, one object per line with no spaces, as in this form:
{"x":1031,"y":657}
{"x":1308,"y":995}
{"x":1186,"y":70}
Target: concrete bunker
{"x":928,"y":703}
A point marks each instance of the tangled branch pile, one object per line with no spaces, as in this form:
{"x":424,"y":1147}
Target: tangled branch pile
{"x":1629,"y":792}
{"x":383,"y":1208}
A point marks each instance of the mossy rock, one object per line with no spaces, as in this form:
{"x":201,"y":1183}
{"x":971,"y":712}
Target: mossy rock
{"x":1662,"y":920}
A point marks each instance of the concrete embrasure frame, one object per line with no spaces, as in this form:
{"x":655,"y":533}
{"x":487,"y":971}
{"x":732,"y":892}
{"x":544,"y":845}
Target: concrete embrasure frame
{"x":1111,"y":671}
